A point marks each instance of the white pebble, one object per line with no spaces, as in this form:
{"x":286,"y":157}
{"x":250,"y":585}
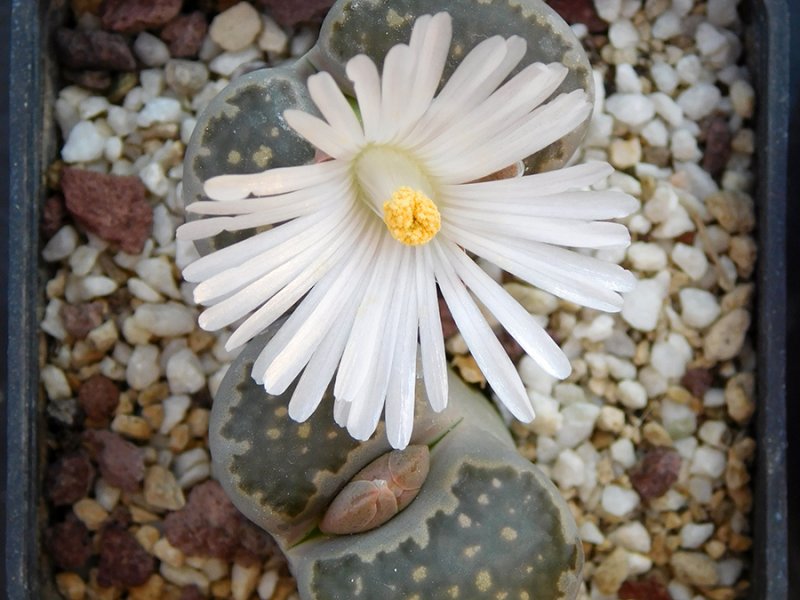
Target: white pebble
{"x":534,"y":377}
{"x":645,"y":256}
{"x":589,"y":532}
{"x":52,"y":324}
{"x":618,"y":501}
{"x":623,"y":34}
{"x":194,"y":475}
{"x":655,"y":133}
{"x":106,"y":494}
{"x":722,"y":13}
{"x":175,"y":408}
{"x":273,"y":38}
{"x":709,"y":40}
{"x":142,"y":370}
{"x":579,"y":420}
{"x":664,"y":77}
{"x":699,"y":308}
{"x":165,"y":320}
{"x":227,"y":62}
{"x":729,"y":570}
{"x":700,"y":489}
{"x":690,"y":259}
{"x":154,"y":179}
{"x":150,"y":50}
{"x":683,"y":146}
{"x":678,"y":419}
{"x":139,"y":289}
{"x":622,"y":452}
{"x":92,"y":107}
{"x":631,"y":109}
{"x":152,"y":82}
{"x":678,"y":591}
{"x":267,"y":584}
{"x":608,"y":10}
{"x":669,"y":357}
{"x":568,"y":470}
{"x":81,"y":289}
{"x":714,"y":433}
{"x":699,"y":101}
{"x":185,"y":373}
{"x":302,"y":42}
{"x":743,"y":98}
{"x":638,"y":564}
{"x":548,"y":420}
{"x":694,"y":535}
{"x":55,"y":383}
{"x":632,"y":536}
{"x":714,"y":398}
{"x":708,"y":461}
{"x":643,"y":305}
{"x":689,"y":69}
{"x":61,"y":245}
{"x":598,"y":330}
{"x":85,"y":143}
{"x":157,"y":272}
{"x":667,"y":25}
{"x":159,"y":110}
{"x":121,"y":120}
{"x":654,"y":382}
{"x":83,"y":260}
{"x":667,"y":108}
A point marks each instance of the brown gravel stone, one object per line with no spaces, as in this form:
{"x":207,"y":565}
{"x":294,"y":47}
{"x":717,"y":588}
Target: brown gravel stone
{"x":110,"y":206}
{"x":132,"y":16}
{"x":121,"y":462}
{"x":54,"y":213}
{"x":717,"y":137}
{"x":80,"y":319}
{"x":94,"y":50}
{"x":290,"y":12}
{"x":510,"y":345}
{"x":122,"y":559}
{"x":98,"y":396}
{"x":740,"y":397}
{"x":184,"y":34}
{"x":733,"y":211}
{"x":647,"y":589}
{"x":579,"y":11}
{"x":209,"y":525}
{"x":191,"y":592}
{"x":697,"y":381}
{"x":69,"y":543}
{"x":69,"y":478}
{"x":97,"y":81}
{"x":655,"y":473}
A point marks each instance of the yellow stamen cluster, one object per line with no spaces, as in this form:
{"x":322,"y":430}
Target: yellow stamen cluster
{"x":411,"y":217}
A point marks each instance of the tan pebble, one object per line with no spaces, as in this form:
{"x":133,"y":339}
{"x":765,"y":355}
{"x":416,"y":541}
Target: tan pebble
{"x":744,"y":449}
{"x":154,"y":415}
{"x":284,"y":589}
{"x":736,"y":474}
{"x":695,"y":568}
{"x":721,"y":594}
{"x":740,"y":397}
{"x":71,"y":586}
{"x":153,"y":394}
{"x":84,"y":354}
{"x":221,"y":588}
{"x":732,"y":210}
{"x":131,"y":426}
{"x":739,"y":542}
{"x":55,"y":287}
{"x":198,"y":422}
{"x":179,"y":437}
{"x":658,"y":551}
{"x":183,"y":576}
{"x":679,"y":394}
{"x":161,"y":490}
{"x":152,"y":589}
{"x":214,"y":568}
{"x":244,"y":580}
{"x":672,"y":520}
{"x":612,"y":572}
{"x":168,"y":553}
{"x":126,"y":402}
{"x":90,"y":513}
{"x":103,"y":337}
{"x":140,"y":515}
{"x":611,"y":419}
{"x":236,"y":27}
{"x":469,"y":370}
{"x":642,"y":354}
{"x":603,"y":439}
{"x":625,"y":153}
{"x":742,"y":499}
{"x":715,"y":549}
{"x":200,"y":340}
{"x":147,"y":536}
{"x":656,"y":434}
{"x":743,"y":254}
{"x":725,"y":338}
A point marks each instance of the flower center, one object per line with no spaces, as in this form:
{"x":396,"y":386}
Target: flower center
{"x":396,"y":188}
{"x":411,"y":217}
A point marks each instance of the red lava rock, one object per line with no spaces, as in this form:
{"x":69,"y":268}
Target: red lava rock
{"x":69,"y":478}
{"x":123,"y":561}
{"x":648,"y":589}
{"x":110,"y":206}
{"x":717,"y":137}
{"x":656,"y":472}
{"x":54,"y":213}
{"x":133,"y":16}
{"x":291,"y":12}
{"x":69,"y":543}
{"x":94,"y":50}
{"x":449,"y":327}
{"x":80,"y":319}
{"x":121,"y":462}
{"x":191,"y":592}
{"x":697,"y":381}
{"x":579,"y":11}
{"x":98,"y":396}
{"x":209,"y":525}
{"x":184,"y":34}
{"x":687,"y":238}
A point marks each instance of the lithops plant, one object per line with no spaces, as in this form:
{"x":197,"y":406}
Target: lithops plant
{"x":479,"y":522}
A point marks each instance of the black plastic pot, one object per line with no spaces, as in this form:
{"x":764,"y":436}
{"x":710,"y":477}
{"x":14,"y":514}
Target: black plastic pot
{"x":33,"y":143}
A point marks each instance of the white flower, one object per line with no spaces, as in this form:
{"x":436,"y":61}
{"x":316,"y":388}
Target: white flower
{"x":364,"y":238}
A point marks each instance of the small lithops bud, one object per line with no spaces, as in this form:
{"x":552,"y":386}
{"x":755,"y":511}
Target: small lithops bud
{"x":378,"y":492}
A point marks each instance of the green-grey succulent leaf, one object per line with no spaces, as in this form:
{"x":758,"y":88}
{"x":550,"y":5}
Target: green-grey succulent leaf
{"x":372,"y":27}
{"x":243,"y":131}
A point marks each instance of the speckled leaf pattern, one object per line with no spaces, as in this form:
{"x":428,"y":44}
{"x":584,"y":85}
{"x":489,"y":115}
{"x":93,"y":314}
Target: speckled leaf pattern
{"x":242,"y":131}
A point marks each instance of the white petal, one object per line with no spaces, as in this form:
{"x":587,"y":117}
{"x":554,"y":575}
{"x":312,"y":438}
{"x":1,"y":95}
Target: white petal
{"x":528,"y":186}
{"x":517,"y":321}
{"x":334,"y":106}
{"x":320,"y":134}
{"x":564,"y":232}
{"x":554,"y":278}
{"x":272,"y":181}
{"x":484,"y":346}
{"x":367,"y":82}
{"x":396,"y":80}
{"x":434,"y":363}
